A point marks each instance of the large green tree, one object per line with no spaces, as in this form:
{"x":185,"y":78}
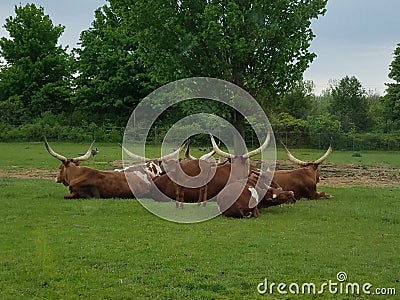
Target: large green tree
{"x":349,"y":104}
{"x":299,"y":101}
{"x":392,"y":98}
{"x":261,"y":46}
{"x":35,"y":74}
{"x":110,"y":82}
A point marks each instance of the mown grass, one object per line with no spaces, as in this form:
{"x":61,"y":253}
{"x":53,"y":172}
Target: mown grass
{"x":115,"y":249}
{"x":53,"y":248}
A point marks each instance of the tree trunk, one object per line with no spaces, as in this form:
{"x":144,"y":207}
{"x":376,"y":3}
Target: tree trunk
{"x":237,"y":119}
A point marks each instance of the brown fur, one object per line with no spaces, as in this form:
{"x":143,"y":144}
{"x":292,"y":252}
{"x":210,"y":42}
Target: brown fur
{"x":86,"y":182}
{"x":302,"y":181}
{"x":164,"y":184}
{"x":245,"y":205}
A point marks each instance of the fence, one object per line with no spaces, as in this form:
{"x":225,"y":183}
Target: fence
{"x":341,"y":141}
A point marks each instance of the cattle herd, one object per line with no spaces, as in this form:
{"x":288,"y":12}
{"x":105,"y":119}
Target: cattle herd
{"x":239,"y":188}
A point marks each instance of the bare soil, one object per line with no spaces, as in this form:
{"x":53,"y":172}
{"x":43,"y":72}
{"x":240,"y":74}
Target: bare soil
{"x":30,"y":173}
{"x":335,"y":175}
{"x":345,"y":175}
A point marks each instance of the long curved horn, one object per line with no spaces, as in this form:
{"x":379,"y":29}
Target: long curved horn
{"x":85,"y":156}
{"x":294,"y":159}
{"x":187,"y":152}
{"x":246,"y":155}
{"x":219,"y":151}
{"x":133,"y":155}
{"x":304,"y":163}
{"x":53,"y":153}
{"x":207,"y":155}
{"x":259,"y":149}
{"x":325,"y":156}
{"x":174,"y":154}
{"x":142,"y":158}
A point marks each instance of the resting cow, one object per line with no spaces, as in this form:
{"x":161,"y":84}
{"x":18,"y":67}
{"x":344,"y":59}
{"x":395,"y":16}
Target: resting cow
{"x":250,"y":197}
{"x":302,"y":181}
{"x":212,"y":180}
{"x":84,"y":182}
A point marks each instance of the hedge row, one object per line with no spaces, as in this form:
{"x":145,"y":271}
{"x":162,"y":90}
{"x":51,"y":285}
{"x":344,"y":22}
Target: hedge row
{"x":341,"y":141}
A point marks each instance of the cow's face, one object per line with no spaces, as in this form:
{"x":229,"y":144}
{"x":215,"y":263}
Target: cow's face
{"x":280,"y":196}
{"x":315,"y":168}
{"x":62,"y":176}
{"x":240,"y":167}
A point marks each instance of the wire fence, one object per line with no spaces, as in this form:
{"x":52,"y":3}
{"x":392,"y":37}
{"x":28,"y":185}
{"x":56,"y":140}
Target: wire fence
{"x":113,"y":134}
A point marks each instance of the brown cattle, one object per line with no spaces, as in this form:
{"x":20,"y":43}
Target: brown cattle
{"x":302,"y":181}
{"x":84,"y":182}
{"x":212,"y":180}
{"x":248,"y":197}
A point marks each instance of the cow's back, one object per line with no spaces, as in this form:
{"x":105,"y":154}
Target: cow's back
{"x":300,"y":181}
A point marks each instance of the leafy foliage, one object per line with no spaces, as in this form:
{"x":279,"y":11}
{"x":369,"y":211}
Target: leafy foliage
{"x":259,"y":46}
{"x":323,"y":128}
{"x":392,"y":98}
{"x":110,"y":81}
{"x":132,"y":48}
{"x":349,"y":105}
{"x":299,"y":100}
{"x":35,"y":75}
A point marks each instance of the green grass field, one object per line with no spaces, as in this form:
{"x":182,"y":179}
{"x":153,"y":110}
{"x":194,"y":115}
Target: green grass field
{"x":53,"y":248}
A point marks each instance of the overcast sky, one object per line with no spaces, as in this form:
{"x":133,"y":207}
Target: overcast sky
{"x":355,"y":37}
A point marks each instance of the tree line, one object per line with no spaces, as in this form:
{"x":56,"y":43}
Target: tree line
{"x":131,"y":49}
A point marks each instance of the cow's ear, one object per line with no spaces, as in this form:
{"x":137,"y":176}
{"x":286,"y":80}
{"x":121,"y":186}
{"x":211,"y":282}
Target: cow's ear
{"x":77,"y":163}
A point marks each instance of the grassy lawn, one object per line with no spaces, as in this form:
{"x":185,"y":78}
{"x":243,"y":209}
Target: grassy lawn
{"x":115,"y":249}
{"x":53,"y":248}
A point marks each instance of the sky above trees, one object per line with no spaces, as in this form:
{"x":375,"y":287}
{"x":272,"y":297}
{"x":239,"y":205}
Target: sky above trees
{"x":355,"y":37}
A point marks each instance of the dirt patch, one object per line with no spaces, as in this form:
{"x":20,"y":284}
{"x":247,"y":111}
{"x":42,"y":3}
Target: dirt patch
{"x":345,"y":175}
{"x":30,"y":173}
{"x":331,"y":174}
{"x":353,"y":175}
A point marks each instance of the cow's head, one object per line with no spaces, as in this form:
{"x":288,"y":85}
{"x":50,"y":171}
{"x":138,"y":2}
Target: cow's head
{"x":67,"y":163}
{"x":240,"y":163}
{"x":275,"y":197}
{"x":280,"y":196}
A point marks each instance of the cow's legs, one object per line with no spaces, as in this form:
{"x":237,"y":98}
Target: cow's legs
{"x":314,"y":195}
{"x":255,"y":212}
{"x":70,"y":196}
{"x":179,"y":193}
{"x":202,"y":196}
{"x":324,"y":195}
{"x":76,"y":193}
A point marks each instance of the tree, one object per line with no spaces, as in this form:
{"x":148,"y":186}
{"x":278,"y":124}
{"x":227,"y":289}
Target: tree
{"x":392,"y":98}
{"x":299,"y":100}
{"x":350,"y":106}
{"x":110,"y":80}
{"x":35,"y":75}
{"x":259,"y":46}
{"x":322,"y":129}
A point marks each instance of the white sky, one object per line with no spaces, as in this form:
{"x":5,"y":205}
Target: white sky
{"x":355,"y":37}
